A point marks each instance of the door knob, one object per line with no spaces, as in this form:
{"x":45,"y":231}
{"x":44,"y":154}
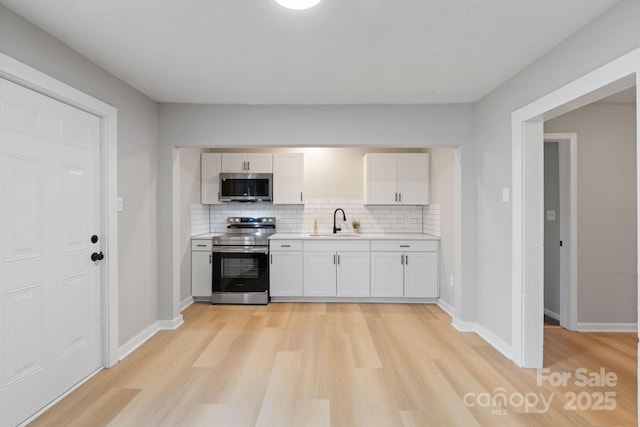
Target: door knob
{"x":97,"y":256}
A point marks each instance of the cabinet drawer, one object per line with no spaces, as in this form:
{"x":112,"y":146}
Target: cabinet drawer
{"x":336,"y":246}
{"x":404,"y":245}
{"x":285,"y":245}
{"x":201,"y":245}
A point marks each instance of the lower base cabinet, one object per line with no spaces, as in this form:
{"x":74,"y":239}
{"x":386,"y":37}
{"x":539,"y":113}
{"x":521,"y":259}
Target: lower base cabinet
{"x":362,"y":269}
{"x":352,"y":273}
{"x":421,"y":275}
{"x":404,"y":269}
{"x":331,"y":274}
{"x":285,"y":269}
{"x":336,"y":268}
{"x":201,"y":269}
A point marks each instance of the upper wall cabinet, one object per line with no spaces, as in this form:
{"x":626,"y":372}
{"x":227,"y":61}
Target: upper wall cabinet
{"x":247,"y":163}
{"x":210,"y":178}
{"x":396,"y":179}
{"x":288,"y":178}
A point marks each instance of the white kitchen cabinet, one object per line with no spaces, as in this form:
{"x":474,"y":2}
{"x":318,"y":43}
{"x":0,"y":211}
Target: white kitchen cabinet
{"x":396,"y":179}
{"x":247,"y":162}
{"x":352,"y":272}
{"x":201,"y":269}
{"x":420,"y":274}
{"x":210,"y":178}
{"x":387,"y":274}
{"x":285,"y":269}
{"x":319,"y":274}
{"x":288,"y":178}
{"x":336,"y":268}
{"x":406,"y":269}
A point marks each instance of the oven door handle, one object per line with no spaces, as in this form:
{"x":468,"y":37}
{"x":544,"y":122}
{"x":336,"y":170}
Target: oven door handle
{"x":241,"y":249}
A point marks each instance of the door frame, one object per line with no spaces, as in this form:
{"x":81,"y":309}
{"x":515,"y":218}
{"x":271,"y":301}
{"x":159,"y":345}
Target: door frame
{"x":527,"y":209}
{"x":24,"y":75}
{"x":568,"y":183}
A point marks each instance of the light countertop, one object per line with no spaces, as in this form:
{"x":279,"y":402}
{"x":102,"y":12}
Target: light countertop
{"x":205,"y":236}
{"x":351,"y":236}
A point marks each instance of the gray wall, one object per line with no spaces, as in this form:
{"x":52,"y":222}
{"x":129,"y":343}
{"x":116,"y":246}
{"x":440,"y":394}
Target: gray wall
{"x":613,"y":34}
{"x":190,"y":170}
{"x":551,"y":228}
{"x":137,"y":160}
{"x":442,"y":193}
{"x":606,"y":210}
{"x":316,"y":126}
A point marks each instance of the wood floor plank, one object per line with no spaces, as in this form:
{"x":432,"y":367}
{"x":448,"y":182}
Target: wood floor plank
{"x":312,"y":413}
{"x":297,"y":364}
{"x":280,"y":396}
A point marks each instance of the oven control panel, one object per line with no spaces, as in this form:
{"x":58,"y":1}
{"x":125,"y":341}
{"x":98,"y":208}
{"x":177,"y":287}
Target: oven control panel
{"x":255,"y":221}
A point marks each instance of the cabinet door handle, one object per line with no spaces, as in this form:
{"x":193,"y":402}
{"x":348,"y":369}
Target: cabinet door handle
{"x":396,"y":197}
{"x":248,"y":166}
{"x":210,"y":259}
{"x":400,"y":197}
{"x":301,"y":196}
{"x":405,"y":246}
{"x":334,"y":259}
{"x":201,"y":246}
{"x":406,"y":259}
{"x":402,"y":259}
{"x":338,"y":259}
{"x":285,"y":246}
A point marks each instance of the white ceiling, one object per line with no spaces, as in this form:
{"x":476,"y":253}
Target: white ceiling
{"x":341,"y":52}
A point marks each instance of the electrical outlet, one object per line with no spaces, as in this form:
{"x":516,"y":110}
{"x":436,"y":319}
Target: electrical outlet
{"x":120,"y":203}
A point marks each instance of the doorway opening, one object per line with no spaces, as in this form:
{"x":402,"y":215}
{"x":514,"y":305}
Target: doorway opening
{"x":560,"y":230}
{"x":528,"y":227}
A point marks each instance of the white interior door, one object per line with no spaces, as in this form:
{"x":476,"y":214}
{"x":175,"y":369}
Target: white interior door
{"x":49,"y":287}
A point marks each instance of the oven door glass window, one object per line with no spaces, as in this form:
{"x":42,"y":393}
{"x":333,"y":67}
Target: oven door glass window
{"x":240,"y":272}
{"x":240,"y":268}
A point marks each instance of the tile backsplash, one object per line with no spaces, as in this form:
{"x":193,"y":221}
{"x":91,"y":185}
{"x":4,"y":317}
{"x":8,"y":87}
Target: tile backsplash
{"x":199,"y":219}
{"x":299,"y":218}
{"x":431,"y":220}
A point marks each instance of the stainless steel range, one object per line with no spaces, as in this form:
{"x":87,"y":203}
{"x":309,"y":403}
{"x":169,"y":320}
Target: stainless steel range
{"x":241,"y":261}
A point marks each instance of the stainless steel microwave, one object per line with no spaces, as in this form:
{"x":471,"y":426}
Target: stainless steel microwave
{"x":246,"y":187}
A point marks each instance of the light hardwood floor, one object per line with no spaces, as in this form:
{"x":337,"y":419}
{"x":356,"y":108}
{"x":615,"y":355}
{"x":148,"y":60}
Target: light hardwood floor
{"x":343,"y":365}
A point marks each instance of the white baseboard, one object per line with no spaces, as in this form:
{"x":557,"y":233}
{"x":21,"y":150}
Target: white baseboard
{"x":137,"y":341}
{"x":186,"y":303}
{"x":485,"y":334}
{"x":607,"y":327}
{"x":145,"y":335}
{"x":446,"y":307}
{"x":357,"y":300}
{"x":170,"y":325}
{"x":496,"y":342}
{"x":552,"y":314}
{"x":462,"y":326}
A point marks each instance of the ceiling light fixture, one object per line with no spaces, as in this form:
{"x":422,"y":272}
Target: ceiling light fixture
{"x":298,"y":4}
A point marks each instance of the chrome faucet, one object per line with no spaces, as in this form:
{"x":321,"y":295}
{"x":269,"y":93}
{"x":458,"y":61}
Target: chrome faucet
{"x":344,"y":218}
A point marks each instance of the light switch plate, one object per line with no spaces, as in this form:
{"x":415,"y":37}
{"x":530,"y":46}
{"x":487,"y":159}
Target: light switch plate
{"x":505,"y":194}
{"x":551,"y":215}
{"x":120,"y":204}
